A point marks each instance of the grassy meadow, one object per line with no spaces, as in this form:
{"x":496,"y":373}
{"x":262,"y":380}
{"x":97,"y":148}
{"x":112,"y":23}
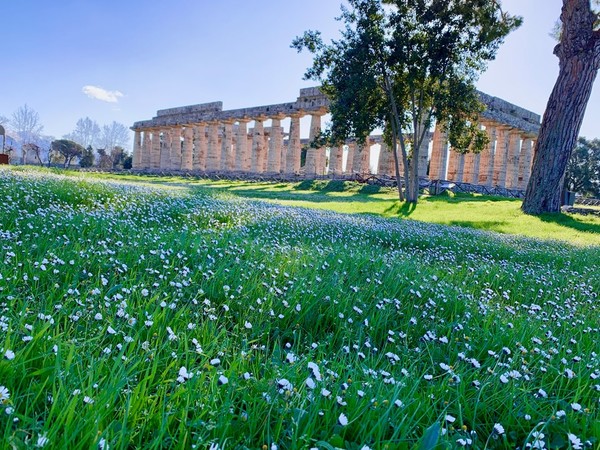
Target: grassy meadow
{"x":499,"y":214}
{"x":160,"y":313}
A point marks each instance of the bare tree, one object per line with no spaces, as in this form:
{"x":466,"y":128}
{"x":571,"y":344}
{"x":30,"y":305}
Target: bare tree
{"x":114,"y":135}
{"x":26,"y":124}
{"x":86,"y":133}
{"x":4,"y":120}
{"x":114,"y":138}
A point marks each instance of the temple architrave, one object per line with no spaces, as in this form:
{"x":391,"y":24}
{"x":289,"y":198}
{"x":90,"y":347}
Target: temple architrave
{"x":206,"y":139}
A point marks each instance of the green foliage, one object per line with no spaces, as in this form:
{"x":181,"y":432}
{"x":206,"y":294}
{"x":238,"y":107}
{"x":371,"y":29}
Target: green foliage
{"x":401,"y":64}
{"x":583,"y":169}
{"x":87,"y":157}
{"x":127,"y":162}
{"x":67,"y":149}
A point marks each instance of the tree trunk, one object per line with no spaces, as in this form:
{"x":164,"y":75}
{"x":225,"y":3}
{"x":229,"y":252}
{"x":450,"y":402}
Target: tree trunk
{"x":579,"y":60}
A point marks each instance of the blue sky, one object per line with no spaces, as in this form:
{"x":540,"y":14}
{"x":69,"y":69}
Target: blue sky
{"x":123,"y":60}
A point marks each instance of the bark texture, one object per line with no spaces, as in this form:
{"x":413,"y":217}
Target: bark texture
{"x":579,"y":60}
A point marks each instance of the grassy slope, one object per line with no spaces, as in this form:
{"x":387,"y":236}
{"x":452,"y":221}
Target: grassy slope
{"x":116,"y":302}
{"x":497,"y":214}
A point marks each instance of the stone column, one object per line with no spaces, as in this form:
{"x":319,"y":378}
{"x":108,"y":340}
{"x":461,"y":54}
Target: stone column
{"x":275,"y":146}
{"x":439,"y":154}
{"x":146,"y":157}
{"x":452,"y":164}
{"x":476,"y":166}
{"x":525,"y":160}
{"x":188,"y":149}
{"x":350,"y":158}
{"x":384,"y":160}
{"x":486,"y":161}
{"x":136,"y":158}
{"x":175,"y":133}
{"x":501,"y":156}
{"x":460,"y":167}
{"x":294,"y":146}
{"x":213,"y":153}
{"x":165,"y":150}
{"x":336,"y":155}
{"x":365,"y":157}
{"x":259,"y":161}
{"x":312,"y":154}
{"x":200,"y":147}
{"x":362,"y":157}
{"x":468,"y":167}
{"x":242,"y":160}
{"x":424,"y":156}
{"x":155,"y":157}
{"x":283,"y":153}
{"x":512,"y":160}
{"x":227,"y":157}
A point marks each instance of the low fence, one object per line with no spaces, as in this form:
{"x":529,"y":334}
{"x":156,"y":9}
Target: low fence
{"x":587,"y":201}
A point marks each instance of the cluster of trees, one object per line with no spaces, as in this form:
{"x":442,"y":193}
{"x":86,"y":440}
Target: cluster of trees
{"x":101,"y":146}
{"x":89,"y":144}
{"x":583,"y":168}
{"x":402,"y":64}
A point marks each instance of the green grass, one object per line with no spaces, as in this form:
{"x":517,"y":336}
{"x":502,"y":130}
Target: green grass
{"x":498,"y":214}
{"x":153,"y":315}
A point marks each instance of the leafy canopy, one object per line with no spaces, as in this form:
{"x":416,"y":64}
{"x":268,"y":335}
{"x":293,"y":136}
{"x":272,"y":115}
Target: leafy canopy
{"x":401,"y":64}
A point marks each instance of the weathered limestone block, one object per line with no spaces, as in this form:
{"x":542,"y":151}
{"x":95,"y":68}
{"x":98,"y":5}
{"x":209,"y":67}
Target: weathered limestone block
{"x":175,"y":150}
{"x":486,"y":162}
{"x":476,"y":165}
{"x":512,"y":160}
{"x":275,"y":146}
{"x":501,"y":157}
{"x":187,"y":162}
{"x":452,"y":164}
{"x":424,"y":157}
{"x":311,"y":167}
{"x":155,"y":161}
{"x":439,"y":154}
{"x":136,"y":159}
{"x":227,"y":157}
{"x":384,"y":162}
{"x":468,"y":167}
{"x":336,"y":155}
{"x":146,"y":157}
{"x":525,"y":160}
{"x":362,"y":157}
{"x":294,"y":146}
{"x":242,"y":160}
{"x":213,"y":160}
{"x":200,"y":147}
{"x":165,"y":150}
{"x":349,"y":169}
{"x":259,"y":152}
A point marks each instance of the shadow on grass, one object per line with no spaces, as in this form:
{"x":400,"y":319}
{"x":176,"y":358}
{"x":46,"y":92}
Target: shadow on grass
{"x":316,"y":197}
{"x":573,"y":222}
{"x":465,"y":197}
{"x":488,"y":225}
{"x":401,"y":209}
{"x":323,"y":186}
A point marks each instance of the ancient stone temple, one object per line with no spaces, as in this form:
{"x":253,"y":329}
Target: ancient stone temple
{"x":206,"y":139}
